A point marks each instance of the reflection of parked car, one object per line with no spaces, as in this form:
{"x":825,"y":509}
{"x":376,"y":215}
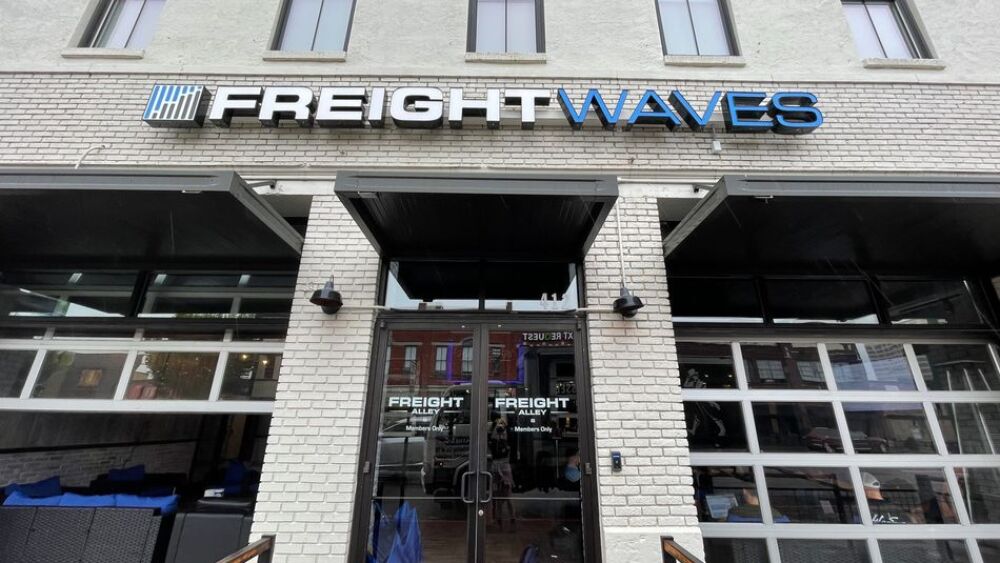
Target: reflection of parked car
{"x":446,"y":455}
{"x":828,"y":440}
{"x":401,"y":451}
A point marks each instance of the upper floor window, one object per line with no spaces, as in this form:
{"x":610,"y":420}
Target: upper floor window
{"x":696,"y":27}
{"x":315,"y":25}
{"x":506,"y":26}
{"x":125,"y":24}
{"x":883,"y":29}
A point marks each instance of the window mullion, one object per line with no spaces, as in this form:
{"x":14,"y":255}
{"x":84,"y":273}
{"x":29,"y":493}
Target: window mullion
{"x":319,"y":18}
{"x":126,"y":375}
{"x":694,"y":30}
{"x":32,"y":379}
{"x":135,"y":23}
{"x":859,"y":493}
{"x":873,"y":550}
{"x":878,"y":37}
{"x":767,"y":517}
{"x":963,"y":509}
{"x":972,"y":546}
{"x":220,"y":372}
{"x":772,"y":547}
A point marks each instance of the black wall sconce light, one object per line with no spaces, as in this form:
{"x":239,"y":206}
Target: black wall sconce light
{"x":328,"y":298}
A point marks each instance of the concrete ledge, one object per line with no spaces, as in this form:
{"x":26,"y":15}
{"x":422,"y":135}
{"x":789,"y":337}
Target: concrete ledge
{"x":102,"y":53}
{"x":908,"y":64}
{"x":306,"y":57}
{"x":703,"y":61}
{"x":506,"y":58}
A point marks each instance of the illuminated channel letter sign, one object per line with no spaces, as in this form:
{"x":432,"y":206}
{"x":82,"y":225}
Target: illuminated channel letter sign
{"x":352,"y":107}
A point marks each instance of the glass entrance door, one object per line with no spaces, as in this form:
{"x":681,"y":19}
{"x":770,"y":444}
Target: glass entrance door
{"x":476,"y":446}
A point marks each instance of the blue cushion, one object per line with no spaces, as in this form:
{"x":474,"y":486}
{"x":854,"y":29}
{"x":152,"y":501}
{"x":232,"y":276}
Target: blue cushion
{"x":235,"y":473}
{"x":128,"y":475}
{"x":167,"y":504}
{"x":18,"y":499}
{"x":40,"y":489}
{"x":71,"y":499}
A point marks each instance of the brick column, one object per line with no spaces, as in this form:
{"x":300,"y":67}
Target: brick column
{"x":307,"y":488}
{"x":637,"y":400}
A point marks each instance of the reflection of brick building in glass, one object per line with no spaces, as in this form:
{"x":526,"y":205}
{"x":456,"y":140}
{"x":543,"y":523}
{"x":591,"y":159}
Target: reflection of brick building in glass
{"x":425,"y":358}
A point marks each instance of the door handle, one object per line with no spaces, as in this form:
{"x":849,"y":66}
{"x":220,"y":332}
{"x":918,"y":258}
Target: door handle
{"x":489,"y":486}
{"x":465,"y":487}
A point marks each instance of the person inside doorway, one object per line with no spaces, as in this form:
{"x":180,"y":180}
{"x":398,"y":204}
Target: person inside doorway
{"x":503,"y":475}
{"x":569,"y":480}
{"x":749,"y":510}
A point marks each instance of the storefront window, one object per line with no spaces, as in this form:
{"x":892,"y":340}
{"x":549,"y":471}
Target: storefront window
{"x":823,"y":550}
{"x":820,"y":301}
{"x":957,"y":367}
{"x":783,"y":366}
{"x":706,"y":366}
{"x":26,"y":294}
{"x":69,"y":374}
{"x":970,"y":428}
{"x":925,"y":551}
{"x":796,"y":427}
{"x":172,"y":375}
{"x":726,"y":550}
{"x":252,"y":377}
{"x":871,"y":367}
{"x":908,"y":496}
{"x":822,"y":495}
{"x":896,"y":428}
{"x":930,"y":302}
{"x":726,"y":494}
{"x":715,"y":426}
{"x":14,"y":368}
{"x":980,"y":487}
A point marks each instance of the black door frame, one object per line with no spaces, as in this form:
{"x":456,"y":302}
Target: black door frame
{"x":478,"y":324}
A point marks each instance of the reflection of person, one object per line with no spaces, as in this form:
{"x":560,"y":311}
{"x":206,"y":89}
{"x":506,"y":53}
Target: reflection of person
{"x":572,"y":471}
{"x":503,"y":475}
{"x":883,"y":511}
{"x":749,"y":510}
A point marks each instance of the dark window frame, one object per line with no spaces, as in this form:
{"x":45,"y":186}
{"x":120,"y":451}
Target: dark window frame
{"x":474,"y":22}
{"x":96,"y":22}
{"x":280,"y":27}
{"x":908,"y":26}
{"x":728,"y":23}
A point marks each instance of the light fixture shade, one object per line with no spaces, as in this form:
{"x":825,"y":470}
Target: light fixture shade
{"x":627,"y":305}
{"x":328,"y":298}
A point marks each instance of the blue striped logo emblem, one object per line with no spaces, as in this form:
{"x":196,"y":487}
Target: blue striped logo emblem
{"x":173,"y":104}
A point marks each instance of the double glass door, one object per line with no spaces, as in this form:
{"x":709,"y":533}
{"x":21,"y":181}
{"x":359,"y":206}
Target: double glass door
{"x":476,"y":446}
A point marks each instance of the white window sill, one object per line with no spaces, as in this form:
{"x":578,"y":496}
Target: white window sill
{"x":908,"y":64}
{"x":102,"y":53}
{"x":506,"y":58}
{"x":703,"y":61}
{"x":306,"y":57}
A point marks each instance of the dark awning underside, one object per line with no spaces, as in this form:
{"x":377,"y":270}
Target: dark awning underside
{"x":122,"y":217}
{"x":478,"y":217}
{"x":802,"y":224}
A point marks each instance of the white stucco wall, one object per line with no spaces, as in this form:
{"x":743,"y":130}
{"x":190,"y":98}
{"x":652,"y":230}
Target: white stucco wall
{"x":779,"y":40}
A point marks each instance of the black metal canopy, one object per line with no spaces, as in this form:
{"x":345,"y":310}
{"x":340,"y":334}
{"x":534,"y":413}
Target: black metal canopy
{"x":478,"y":217}
{"x":125,"y":217}
{"x":839,"y":224}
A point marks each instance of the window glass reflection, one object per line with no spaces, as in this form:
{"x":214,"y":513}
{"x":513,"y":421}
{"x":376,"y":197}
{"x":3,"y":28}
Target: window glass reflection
{"x":908,"y":496}
{"x":871,"y":367}
{"x":172,"y":375}
{"x":823,"y":550}
{"x":65,"y":294}
{"x":896,"y":428}
{"x":797,"y":427}
{"x":820,"y":301}
{"x":727,"y":550}
{"x":714,"y":300}
{"x":14,"y":368}
{"x":925,"y":551}
{"x":957,"y":367}
{"x":250,"y":377}
{"x":67,"y":374}
{"x":970,"y":428}
{"x":726,"y":494}
{"x":706,"y":366}
{"x":981,"y":490}
{"x":930,"y":302}
{"x":715,"y":426}
{"x":821,"y":495}
{"x":783,"y":366}
{"x":990,"y":550}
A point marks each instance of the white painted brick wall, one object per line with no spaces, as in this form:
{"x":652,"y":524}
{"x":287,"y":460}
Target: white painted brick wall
{"x":308,"y":482}
{"x":873,"y":127}
{"x":79,"y":467}
{"x":636,"y":387}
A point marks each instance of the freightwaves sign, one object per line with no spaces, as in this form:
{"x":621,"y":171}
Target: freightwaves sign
{"x":179,"y":105}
